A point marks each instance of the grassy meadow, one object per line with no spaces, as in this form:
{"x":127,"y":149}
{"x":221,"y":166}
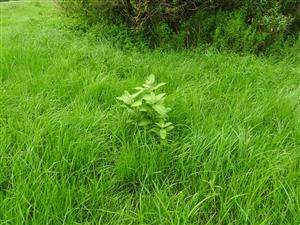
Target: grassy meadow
{"x":67,"y":155}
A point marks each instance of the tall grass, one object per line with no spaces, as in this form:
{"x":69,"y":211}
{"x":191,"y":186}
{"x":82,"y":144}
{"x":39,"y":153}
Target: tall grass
{"x":67,"y":156}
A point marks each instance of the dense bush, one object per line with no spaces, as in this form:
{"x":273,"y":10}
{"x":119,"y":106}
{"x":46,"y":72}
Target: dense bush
{"x":239,"y":25}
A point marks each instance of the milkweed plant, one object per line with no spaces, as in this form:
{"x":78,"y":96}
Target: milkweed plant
{"x":147,"y":108}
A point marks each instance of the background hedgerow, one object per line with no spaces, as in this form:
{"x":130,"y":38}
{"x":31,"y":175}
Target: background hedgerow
{"x":247,"y":26}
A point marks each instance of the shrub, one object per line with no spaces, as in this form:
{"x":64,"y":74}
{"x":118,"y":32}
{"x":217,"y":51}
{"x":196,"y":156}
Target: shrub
{"x":231,"y":31}
{"x":244,"y":25}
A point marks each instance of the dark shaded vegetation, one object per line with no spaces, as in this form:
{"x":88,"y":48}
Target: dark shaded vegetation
{"x":244,"y":26}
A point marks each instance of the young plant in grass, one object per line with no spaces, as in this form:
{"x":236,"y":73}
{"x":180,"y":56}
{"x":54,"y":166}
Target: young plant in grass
{"x":147,"y":108}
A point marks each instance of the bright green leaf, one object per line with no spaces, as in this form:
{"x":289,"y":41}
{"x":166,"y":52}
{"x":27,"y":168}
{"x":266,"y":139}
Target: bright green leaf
{"x":137,"y":103}
{"x":170,"y":128}
{"x":163,"y":133}
{"x":153,"y":99}
{"x":158,"y":86}
{"x":150,"y":79}
{"x":160,"y":109}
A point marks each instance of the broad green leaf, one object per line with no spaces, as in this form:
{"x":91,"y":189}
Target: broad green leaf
{"x":137,"y":103}
{"x":168,"y":124}
{"x":153,"y":99}
{"x":150,"y":79}
{"x":138,"y":88}
{"x":158,"y":86}
{"x":161,"y":109}
{"x":147,"y":86}
{"x":162,"y":124}
{"x":149,"y":98}
{"x":160,"y":97}
{"x":163,"y":133}
{"x":137,"y":93}
{"x":126,"y":98}
{"x":170,"y":128}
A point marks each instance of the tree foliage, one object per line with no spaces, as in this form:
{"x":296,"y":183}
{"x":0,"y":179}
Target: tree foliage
{"x":159,"y":21}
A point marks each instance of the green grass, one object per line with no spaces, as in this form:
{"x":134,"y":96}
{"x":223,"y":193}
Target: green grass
{"x":68,"y":157}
